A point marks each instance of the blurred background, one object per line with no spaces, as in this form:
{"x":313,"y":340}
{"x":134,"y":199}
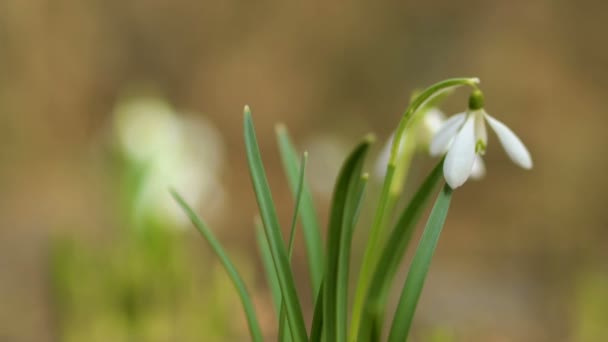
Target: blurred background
{"x":104,"y":103}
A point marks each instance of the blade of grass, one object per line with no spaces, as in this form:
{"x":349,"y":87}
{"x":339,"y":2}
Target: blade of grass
{"x":376,"y":331}
{"x":316,"y":331}
{"x":373,"y":247}
{"x":420,"y":266}
{"x":284,"y":332}
{"x":308,"y":217}
{"x":393,"y":254}
{"x":351,"y":216}
{"x":343,"y":203}
{"x":296,"y":209}
{"x":271,"y":276}
{"x":252,"y":321}
{"x":273,"y":231}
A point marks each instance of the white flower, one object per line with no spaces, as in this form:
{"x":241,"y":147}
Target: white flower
{"x":464,"y":138}
{"x":170,"y":150}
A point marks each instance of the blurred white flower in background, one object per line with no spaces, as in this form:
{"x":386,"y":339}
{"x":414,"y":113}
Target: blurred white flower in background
{"x":431,"y":123}
{"x":183,"y":152}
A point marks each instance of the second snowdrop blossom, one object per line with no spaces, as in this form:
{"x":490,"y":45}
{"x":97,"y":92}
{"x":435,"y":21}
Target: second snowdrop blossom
{"x":464,"y":138}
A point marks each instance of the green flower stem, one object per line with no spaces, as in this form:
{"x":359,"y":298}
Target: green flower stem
{"x":373,"y":247}
{"x":235,"y":277}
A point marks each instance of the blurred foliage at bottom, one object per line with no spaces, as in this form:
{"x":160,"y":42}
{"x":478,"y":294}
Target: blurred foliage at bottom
{"x":141,"y":288}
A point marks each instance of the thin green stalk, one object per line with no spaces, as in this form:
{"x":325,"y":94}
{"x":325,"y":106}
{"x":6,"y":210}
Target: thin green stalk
{"x":308,"y":216}
{"x":237,"y":280}
{"x":271,"y":275}
{"x":370,"y":256}
{"x":296,"y":209}
{"x":284,"y":331}
{"x":273,"y":232}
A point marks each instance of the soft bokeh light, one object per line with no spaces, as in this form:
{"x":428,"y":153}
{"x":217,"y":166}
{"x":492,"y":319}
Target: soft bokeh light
{"x":173,"y":151}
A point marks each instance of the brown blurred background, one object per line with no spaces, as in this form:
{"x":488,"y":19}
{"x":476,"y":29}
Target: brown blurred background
{"x":520,"y":248}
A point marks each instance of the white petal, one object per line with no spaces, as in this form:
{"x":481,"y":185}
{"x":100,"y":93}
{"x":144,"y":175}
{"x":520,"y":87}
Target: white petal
{"x":480,"y":130}
{"x":442,"y":140}
{"x":511,"y":143}
{"x":461,"y":156}
{"x":479,"y":168}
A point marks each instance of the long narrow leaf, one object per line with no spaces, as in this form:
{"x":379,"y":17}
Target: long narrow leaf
{"x":420,"y":266}
{"x":373,"y":246}
{"x":252,"y":321}
{"x":316,"y":331}
{"x":351,"y":216}
{"x":271,"y":275}
{"x":284,"y":332}
{"x":273,"y":231}
{"x":310,"y":222}
{"x":393,"y":253}
{"x":296,"y":208}
{"x":343,"y":203}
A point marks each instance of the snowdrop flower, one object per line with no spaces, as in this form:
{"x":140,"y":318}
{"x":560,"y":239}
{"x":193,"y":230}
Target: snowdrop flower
{"x":464,"y":138}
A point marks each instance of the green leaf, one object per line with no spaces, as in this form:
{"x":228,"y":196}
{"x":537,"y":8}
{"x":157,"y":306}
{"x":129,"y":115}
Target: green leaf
{"x":271,"y":275}
{"x":296,"y":209}
{"x":393,"y":254}
{"x":284,"y":332}
{"x":345,"y":202}
{"x":374,"y":243}
{"x":252,"y":321}
{"x":310,"y":222}
{"x":420,"y":266}
{"x":316,"y":331}
{"x":351,"y":216}
{"x":273,"y":231}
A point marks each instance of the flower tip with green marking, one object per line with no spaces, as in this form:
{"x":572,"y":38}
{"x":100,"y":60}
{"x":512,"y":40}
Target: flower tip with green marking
{"x":464,"y":139}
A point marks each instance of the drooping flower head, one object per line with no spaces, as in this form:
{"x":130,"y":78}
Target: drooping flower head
{"x":464,"y":138}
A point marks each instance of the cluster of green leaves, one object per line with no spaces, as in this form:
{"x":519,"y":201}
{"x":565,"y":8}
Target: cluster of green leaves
{"x":330,"y":267}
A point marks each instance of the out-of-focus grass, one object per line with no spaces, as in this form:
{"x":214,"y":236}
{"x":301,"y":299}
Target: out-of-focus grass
{"x":141,"y":289}
{"x":591,"y":319}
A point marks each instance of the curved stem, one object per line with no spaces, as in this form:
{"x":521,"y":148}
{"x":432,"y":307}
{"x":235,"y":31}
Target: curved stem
{"x":372,"y":249}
